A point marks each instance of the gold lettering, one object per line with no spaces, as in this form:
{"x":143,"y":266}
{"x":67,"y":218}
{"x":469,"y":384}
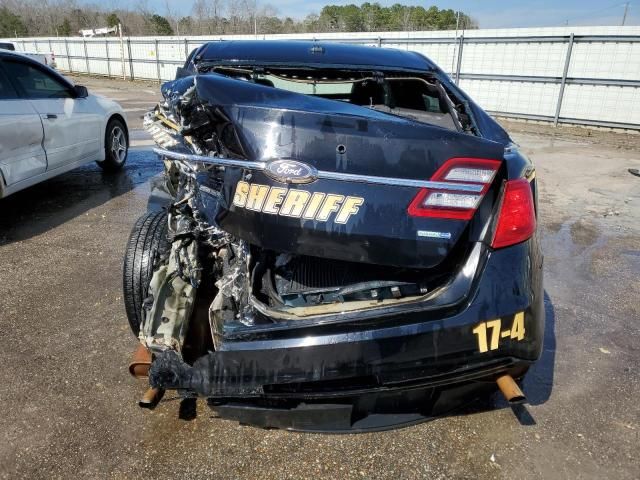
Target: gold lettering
{"x":256,"y":197}
{"x":294,"y":203}
{"x":349,"y":207}
{"x":331,"y":204}
{"x":517,"y":328}
{"x":494,"y":325}
{"x":240,"y":197}
{"x":274,"y":199}
{"x":481,"y":332}
{"x":314,"y":205}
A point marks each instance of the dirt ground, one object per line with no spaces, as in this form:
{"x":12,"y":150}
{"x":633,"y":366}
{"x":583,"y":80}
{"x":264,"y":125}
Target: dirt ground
{"x":69,"y":405}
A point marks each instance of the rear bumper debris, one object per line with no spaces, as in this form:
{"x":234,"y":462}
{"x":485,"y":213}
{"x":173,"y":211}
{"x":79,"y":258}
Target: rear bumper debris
{"x":313,"y":378}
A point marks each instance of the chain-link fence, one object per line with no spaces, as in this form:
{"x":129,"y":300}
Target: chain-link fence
{"x":563,"y":78}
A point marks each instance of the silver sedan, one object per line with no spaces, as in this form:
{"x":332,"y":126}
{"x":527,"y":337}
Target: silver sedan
{"x":49,"y":126}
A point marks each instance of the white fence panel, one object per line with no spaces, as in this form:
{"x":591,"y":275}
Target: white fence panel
{"x":512,"y":72}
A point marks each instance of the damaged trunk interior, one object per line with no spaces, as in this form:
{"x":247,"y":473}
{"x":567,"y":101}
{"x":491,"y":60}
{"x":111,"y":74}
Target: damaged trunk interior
{"x":246,"y":251}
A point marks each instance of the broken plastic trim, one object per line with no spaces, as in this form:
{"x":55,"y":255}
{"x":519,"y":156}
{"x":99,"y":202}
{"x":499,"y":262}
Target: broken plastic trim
{"x":323,"y":174}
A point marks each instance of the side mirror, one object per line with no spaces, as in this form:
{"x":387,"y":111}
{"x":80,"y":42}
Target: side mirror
{"x":80,"y":91}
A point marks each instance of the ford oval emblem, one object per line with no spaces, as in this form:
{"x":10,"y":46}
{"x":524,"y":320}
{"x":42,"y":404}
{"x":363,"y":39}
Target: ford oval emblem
{"x":291,"y":171}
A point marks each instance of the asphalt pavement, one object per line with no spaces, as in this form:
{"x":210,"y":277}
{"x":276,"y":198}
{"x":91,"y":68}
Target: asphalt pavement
{"x":69,"y":405}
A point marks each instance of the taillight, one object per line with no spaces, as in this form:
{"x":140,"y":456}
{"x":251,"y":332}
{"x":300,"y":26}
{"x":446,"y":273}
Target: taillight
{"x":517,"y":218}
{"x":452,"y":199}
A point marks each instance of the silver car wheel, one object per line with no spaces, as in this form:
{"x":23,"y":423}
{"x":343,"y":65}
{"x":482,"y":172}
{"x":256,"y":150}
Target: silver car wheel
{"x":118,"y":144}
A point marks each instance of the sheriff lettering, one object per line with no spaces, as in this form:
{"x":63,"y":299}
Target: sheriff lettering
{"x":292,"y":202}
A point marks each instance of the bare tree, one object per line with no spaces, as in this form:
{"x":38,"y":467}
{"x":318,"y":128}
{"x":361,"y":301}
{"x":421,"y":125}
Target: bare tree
{"x":208,"y":17}
{"x":172,"y":16}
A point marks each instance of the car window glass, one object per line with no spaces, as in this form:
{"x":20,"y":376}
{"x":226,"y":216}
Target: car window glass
{"x":7,"y":91}
{"x":34,"y":82}
{"x":309,"y":88}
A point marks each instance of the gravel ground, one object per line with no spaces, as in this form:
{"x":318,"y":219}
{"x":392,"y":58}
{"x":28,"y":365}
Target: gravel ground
{"x":69,"y":405}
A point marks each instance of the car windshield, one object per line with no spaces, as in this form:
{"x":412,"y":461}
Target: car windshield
{"x":309,"y":86}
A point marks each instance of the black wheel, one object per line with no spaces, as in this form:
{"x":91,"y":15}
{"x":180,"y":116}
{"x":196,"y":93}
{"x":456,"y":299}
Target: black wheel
{"x":147,"y":241}
{"x":116,"y":146}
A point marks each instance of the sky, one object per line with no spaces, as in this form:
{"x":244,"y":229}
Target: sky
{"x":489,"y":13}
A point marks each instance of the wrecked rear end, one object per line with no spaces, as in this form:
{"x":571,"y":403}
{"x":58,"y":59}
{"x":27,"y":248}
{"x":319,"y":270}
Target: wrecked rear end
{"x":329,"y":246}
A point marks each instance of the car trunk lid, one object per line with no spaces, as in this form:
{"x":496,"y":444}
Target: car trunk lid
{"x":342,"y":181}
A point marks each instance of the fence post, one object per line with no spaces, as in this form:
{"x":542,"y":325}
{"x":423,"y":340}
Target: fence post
{"x":66,"y":49}
{"x":106,"y":46}
{"x":186,"y":49}
{"x":563,"y":82}
{"x":379,"y":42}
{"x":459,"y":63}
{"x":124,"y":76}
{"x":86,"y":55}
{"x":50,"y":47}
{"x":158,"y":62}
{"x":130,"y":60}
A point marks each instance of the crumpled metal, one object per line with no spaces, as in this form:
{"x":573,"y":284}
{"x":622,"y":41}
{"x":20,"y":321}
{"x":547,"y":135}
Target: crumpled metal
{"x":169,"y":306}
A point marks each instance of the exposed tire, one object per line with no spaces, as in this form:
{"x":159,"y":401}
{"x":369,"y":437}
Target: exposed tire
{"x":116,"y":146}
{"x":147,"y":241}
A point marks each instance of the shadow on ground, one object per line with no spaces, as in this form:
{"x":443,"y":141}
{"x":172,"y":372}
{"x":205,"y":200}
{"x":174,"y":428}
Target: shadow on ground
{"x":49,"y":204}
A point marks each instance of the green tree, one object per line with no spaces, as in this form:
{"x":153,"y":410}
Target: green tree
{"x":112,"y":20}
{"x":270,"y":25}
{"x":35,"y":18}
{"x":330,"y":16}
{"x":64,"y":29}
{"x":11,"y":24}
{"x":372,"y":17}
{"x":351,"y":20}
{"x":160,"y":25}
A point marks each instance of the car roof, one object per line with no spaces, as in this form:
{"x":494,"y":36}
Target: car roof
{"x":12,"y":53}
{"x":297,"y":53}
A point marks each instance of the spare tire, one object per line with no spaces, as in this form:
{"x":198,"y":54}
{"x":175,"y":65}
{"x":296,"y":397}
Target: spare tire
{"x":147,"y":241}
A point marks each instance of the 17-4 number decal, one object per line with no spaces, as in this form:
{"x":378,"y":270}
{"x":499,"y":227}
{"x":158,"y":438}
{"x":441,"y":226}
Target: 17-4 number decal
{"x":494,"y":329}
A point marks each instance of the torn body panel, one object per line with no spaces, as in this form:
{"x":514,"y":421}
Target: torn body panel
{"x":170,"y":304}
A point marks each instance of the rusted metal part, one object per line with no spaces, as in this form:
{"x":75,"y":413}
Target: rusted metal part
{"x":151,"y":398}
{"x":510,"y":390}
{"x":140,"y":362}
